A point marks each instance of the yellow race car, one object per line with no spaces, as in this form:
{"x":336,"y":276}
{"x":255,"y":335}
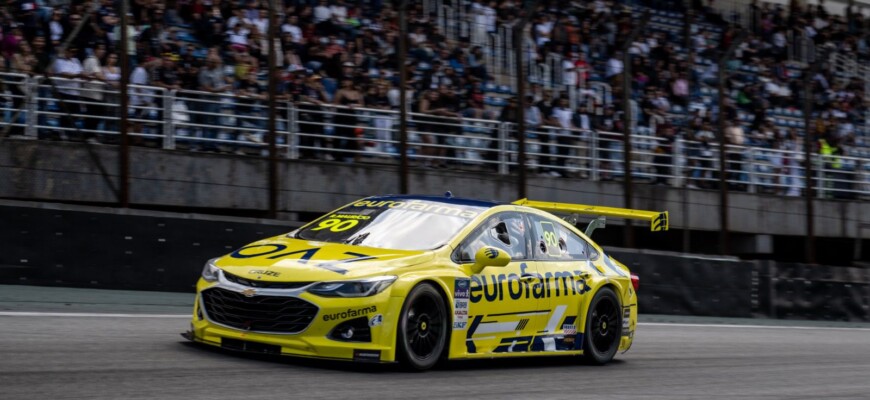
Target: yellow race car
{"x":418,"y":279}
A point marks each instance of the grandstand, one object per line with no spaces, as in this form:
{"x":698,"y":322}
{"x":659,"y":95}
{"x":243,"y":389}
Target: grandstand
{"x":199,"y":82}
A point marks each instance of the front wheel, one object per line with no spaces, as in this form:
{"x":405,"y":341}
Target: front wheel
{"x":603,"y":327}
{"x":422,"y":330}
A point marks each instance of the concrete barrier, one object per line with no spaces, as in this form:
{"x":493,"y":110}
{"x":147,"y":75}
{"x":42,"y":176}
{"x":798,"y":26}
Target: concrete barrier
{"x":83,"y":246}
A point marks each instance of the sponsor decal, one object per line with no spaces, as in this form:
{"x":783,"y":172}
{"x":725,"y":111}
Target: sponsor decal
{"x":366,"y":355}
{"x":500,"y":287}
{"x":460,"y":288}
{"x":302,"y":255}
{"x":569,"y":329}
{"x":350,"y":313}
{"x":538,"y":343}
{"x":349,"y":216}
{"x":491,"y":253}
{"x":551,"y":239}
{"x":461,"y":293}
{"x":417,"y":205}
{"x":264,"y":272}
{"x":376,"y":320}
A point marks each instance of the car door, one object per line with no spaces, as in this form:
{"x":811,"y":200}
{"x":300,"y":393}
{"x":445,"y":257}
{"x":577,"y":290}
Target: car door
{"x":564,"y":261}
{"x":504,"y":307}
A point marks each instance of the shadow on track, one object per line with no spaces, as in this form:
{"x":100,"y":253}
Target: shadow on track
{"x":536,"y":363}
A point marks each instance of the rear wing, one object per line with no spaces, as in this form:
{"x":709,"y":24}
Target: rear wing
{"x":658,"y":219}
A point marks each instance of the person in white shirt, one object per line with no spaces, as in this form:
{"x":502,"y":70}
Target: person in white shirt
{"x":543,"y":28}
{"x":238,"y":38}
{"x":55,"y":27}
{"x":490,"y":16}
{"x":338,"y":11}
{"x":292,"y":27}
{"x":322,"y":12}
{"x":69,"y":69}
{"x":614,"y":66}
{"x":93,"y":90}
{"x":262,"y":22}
{"x":563,"y":117}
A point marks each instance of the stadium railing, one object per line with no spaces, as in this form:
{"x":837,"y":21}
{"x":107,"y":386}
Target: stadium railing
{"x":195,"y":120}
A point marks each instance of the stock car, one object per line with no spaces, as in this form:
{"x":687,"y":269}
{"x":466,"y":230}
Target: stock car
{"x":418,"y":279}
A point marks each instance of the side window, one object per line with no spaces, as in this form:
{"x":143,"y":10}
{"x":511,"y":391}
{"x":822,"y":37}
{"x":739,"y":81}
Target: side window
{"x":553,"y":241}
{"x":506,"y":231}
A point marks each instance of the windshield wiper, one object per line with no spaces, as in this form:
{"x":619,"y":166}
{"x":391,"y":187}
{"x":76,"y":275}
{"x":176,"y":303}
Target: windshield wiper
{"x":355,"y":240}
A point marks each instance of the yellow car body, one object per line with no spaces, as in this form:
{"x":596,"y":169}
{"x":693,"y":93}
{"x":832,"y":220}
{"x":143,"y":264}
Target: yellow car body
{"x":273,"y":296}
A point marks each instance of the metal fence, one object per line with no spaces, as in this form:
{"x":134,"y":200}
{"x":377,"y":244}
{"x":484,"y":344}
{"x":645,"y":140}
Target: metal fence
{"x":191,"y":120}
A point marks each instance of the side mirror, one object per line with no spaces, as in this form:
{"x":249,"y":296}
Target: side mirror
{"x":489,"y":256}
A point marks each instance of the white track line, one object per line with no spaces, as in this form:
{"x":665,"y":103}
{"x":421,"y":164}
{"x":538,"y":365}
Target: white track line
{"x":751,"y":326}
{"x":87,"y":315}
{"x":102,"y":315}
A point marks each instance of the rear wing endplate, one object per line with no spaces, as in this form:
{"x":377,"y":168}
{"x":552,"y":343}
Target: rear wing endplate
{"x":658,"y":219}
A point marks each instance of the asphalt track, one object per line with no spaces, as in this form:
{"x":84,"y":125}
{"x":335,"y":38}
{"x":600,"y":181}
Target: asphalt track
{"x":88,"y":344}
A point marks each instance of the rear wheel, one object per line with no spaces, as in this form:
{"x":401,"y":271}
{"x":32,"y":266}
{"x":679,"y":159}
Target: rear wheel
{"x":423,"y":330}
{"x":603,"y":327}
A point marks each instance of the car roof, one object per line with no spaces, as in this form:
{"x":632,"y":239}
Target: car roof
{"x":440,"y":199}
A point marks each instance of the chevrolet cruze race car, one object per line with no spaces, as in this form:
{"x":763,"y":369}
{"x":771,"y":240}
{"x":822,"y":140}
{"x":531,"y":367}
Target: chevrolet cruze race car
{"x":417,"y":279}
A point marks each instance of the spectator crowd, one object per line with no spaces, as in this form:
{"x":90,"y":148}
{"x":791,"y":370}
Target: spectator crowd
{"x":344,"y":53}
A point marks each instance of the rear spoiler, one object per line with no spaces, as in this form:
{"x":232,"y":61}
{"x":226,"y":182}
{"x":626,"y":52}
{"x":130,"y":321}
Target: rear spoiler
{"x":658,"y":219}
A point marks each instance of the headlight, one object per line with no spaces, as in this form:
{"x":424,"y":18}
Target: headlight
{"x":359,"y":288}
{"x":210,"y":272}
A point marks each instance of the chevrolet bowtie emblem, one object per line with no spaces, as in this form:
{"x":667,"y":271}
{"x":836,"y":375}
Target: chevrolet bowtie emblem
{"x":249,"y":292}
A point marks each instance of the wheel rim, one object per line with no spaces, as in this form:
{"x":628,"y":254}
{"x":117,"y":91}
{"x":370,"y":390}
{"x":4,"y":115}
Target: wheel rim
{"x":605,"y":325}
{"x":424,"y":327}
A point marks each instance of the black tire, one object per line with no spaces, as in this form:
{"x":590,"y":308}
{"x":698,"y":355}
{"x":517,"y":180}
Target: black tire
{"x":423,"y":328}
{"x":603,"y":327}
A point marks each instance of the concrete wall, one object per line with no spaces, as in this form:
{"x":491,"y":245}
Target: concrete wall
{"x":111,"y":248}
{"x":67,"y":172}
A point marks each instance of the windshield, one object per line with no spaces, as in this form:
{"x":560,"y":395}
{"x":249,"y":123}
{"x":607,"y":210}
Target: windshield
{"x":402,"y":224}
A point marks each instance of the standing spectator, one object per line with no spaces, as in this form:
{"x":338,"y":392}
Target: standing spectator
{"x":310,"y":97}
{"x":322,"y":12}
{"x":56,"y":27}
{"x":11,"y":42}
{"x":348,"y":97}
{"x":23,"y":62}
{"x":680,"y":90}
{"x":292,"y":28}
{"x":734,"y":136}
{"x":249,"y":108}
{"x":378,"y":99}
{"x":545,"y":136}
{"x":701,"y":158}
{"x":614,"y":66}
{"x":792,"y":160}
{"x":142,"y":100}
{"x":213,"y":81}
{"x":664,"y":154}
{"x":563,"y":117}
{"x":93,"y":91}
{"x":69,"y":68}
{"x":112,"y":77}
{"x":477,"y":64}
{"x":167,"y":72}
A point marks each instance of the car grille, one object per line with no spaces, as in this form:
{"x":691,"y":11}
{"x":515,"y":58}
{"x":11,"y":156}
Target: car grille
{"x":258,"y":313}
{"x":263,"y":284}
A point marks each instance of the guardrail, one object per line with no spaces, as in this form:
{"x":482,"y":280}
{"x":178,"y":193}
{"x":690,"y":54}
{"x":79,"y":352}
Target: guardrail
{"x":225,"y":122}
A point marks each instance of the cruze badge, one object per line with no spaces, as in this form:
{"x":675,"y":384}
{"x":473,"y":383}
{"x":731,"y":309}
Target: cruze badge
{"x":249,"y":292}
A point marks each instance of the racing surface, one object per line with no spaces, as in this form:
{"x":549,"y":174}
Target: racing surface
{"x":89,"y":344}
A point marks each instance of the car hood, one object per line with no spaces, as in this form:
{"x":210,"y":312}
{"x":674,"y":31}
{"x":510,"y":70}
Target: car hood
{"x":282,"y":259}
